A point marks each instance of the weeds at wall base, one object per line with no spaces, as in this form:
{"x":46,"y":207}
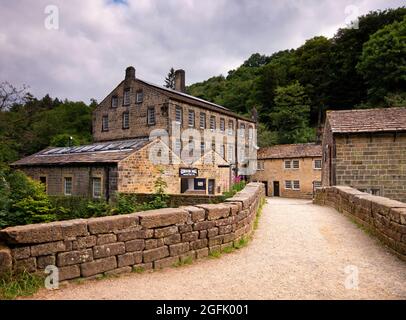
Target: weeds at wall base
{"x":23,"y":284}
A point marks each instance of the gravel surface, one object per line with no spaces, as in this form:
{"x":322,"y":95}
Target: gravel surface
{"x":299,"y":251}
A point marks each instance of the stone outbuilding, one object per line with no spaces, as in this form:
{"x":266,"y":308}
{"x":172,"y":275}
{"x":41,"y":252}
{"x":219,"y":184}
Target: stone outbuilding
{"x":290,"y":170}
{"x":366,"y":149}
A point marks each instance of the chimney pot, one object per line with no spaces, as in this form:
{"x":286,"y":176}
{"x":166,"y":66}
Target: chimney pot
{"x":130,"y":73}
{"x":180,"y":80}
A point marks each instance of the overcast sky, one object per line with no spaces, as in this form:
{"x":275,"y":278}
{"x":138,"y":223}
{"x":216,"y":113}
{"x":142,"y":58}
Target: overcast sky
{"x":97,"y":39}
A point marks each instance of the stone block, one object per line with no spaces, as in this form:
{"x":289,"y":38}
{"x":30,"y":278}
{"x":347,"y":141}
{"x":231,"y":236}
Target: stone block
{"x":202,"y":234}
{"x":165,"y":262}
{"x":84,"y":242}
{"x":196,"y":214}
{"x":178,"y":249}
{"x":155,"y":254}
{"x":47,"y":248}
{"x":198,"y":244}
{"x":44,"y":261}
{"x":225,"y":229}
{"x":225,"y":222}
{"x":135,"y":245}
{"x":118,"y":271}
{"x":98,"y":266}
{"x":212,"y":232}
{"x":201,"y":253}
{"x":164,"y":232}
{"x":29,"y":265}
{"x":143,"y":266}
{"x":162,"y":217}
{"x":69,"y":272}
{"x":74,"y":257}
{"x":154,"y":243}
{"x":185,"y":228}
{"x":108,"y":250}
{"x":204,"y":225}
{"x":215,"y":211}
{"x":6,"y":260}
{"x":111,"y":223}
{"x":21,"y":253}
{"x":190,"y":236}
{"x":106,"y":238}
{"x":175,"y":238}
{"x":129,"y":259}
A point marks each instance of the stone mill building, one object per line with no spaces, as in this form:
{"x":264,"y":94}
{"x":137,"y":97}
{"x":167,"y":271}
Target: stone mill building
{"x":138,"y":119}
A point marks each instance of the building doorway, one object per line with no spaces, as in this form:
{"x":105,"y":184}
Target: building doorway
{"x":266,"y":188}
{"x":184,"y":185}
{"x":211,"y":186}
{"x":276,"y":192}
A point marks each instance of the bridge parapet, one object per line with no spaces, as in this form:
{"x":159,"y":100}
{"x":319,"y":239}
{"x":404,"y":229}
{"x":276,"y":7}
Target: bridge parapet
{"x":383,"y":217}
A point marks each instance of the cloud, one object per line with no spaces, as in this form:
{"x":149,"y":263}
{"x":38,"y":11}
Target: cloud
{"x":97,"y":39}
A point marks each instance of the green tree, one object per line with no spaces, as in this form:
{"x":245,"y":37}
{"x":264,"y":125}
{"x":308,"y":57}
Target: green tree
{"x":383,"y":61}
{"x":291,"y":116}
{"x":170,"y":79}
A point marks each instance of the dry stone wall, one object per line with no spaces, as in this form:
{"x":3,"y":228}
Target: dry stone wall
{"x":116,"y":244}
{"x":384,"y":217}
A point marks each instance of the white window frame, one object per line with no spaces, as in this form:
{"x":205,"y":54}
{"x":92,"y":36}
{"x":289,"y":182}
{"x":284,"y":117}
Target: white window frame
{"x":139,"y":96}
{"x":212,"y":123}
{"x":293,"y":164}
{"x":93,"y":187}
{"x":65,"y":179}
{"x":242,"y":129}
{"x":151,"y":116}
{"x":191,"y":118}
{"x":105,"y":123}
{"x":222,"y":125}
{"x":288,"y":185}
{"x":126,"y":97}
{"x":230,"y":127}
{"x":318,"y":184}
{"x":230,"y":153}
{"x":202,"y":120}
{"x":126,"y":120}
{"x":114,"y":101}
{"x":285,"y":162}
{"x":294,"y":182}
{"x":314,"y":164}
{"x":178,"y":114}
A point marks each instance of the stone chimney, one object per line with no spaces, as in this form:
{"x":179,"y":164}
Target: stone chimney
{"x":180,"y":80}
{"x":130,"y":73}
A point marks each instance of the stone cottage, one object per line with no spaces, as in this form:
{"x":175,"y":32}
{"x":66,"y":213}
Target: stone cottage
{"x":205,"y":145}
{"x":291,"y":170}
{"x":366,"y":149}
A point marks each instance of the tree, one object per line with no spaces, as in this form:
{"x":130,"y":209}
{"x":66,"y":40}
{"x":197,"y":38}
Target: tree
{"x":383,"y":61}
{"x":291,"y":116}
{"x":10,"y":95}
{"x":170,"y":79}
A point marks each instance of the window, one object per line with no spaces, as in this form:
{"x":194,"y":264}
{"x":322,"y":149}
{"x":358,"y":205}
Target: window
{"x":296,"y":185}
{"x":202,"y":120}
{"x":114,"y":102}
{"x":230,"y":153}
{"x":202,"y":148}
{"x":288,"y":184}
{"x":260,"y":165}
{"x":67,"y":186}
{"x":178,"y":115}
{"x":139,"y":97}
{"x":230,"y":127}
{"x":295,"y":164}
{"x":317,"y":164}
{"x":242,"y":129}
{"x":105,"y":123}
{"x":222,"y":151}
{"x":222,"y":125}
{"x":178,"y":146}
{"x":43,"y":180}
{"x":287,"y":164}
{"x":191,"y":119}
{"x":126,"y":120}
{"x":151,"y":116}
{"x":250,"y":132}
{"x":96,"y":184}
{"x":291,"y":164}
{"x":212,"y":123}
{"x":126,"y":100}
{"x":317,"y":184}
{"x":375,"y":192}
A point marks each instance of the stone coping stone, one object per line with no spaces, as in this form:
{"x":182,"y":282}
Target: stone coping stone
{"x":162,"y":217}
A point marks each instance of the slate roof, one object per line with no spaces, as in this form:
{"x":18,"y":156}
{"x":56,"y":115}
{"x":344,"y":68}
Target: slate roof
{"x":367,"y":120}
{"x":284,"y":151}
{"x":101,"y":152}
{"x":184,"y":97}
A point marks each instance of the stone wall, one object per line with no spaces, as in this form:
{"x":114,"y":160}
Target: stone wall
{"x":117,"y":244}
{"x":177,"y":200}
{"x":384,"y":217}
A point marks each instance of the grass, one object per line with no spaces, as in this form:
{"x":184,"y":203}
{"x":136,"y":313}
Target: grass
{"x":243,"y":242}
{"x":138,"y":269}
{"x":215,"y":254}
{"x":183,"y":262}
{"x":259,"y":213}
{"x":229,"y":249}
{"x":21,"y":284}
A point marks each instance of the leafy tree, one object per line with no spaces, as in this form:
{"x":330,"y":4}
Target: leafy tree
{"x":256,"y":60}
{"x":170,"y":79}
{"x":266,"y":137}
{"x":291,"y":115}
{"x":383,"y":61}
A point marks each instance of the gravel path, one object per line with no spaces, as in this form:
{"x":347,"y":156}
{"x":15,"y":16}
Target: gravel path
{"x":300,"y":251}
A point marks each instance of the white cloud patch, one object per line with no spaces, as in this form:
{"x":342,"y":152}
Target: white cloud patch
{"x":97,"y":39}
